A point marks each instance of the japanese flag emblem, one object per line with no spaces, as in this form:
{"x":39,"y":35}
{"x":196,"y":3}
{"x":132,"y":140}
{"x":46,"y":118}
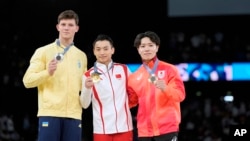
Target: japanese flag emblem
{"x":161,"y":74}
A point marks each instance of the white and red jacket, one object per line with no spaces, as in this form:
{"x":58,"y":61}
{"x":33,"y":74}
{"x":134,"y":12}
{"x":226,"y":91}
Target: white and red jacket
{"x":111,"y":113}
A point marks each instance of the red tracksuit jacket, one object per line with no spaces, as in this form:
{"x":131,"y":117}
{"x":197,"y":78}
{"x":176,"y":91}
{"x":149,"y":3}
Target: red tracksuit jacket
{"x":158,"y":111}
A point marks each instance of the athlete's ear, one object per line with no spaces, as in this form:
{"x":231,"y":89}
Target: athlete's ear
{"x":57,"y":27}
{"x":77,"y":28}
{"x":157,"y":48}
{"x":113,"y":50}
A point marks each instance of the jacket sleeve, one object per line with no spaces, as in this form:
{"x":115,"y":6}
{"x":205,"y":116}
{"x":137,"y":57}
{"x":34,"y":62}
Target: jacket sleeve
{"x":86,"y":94}
{"x":36,"y":72}
{"x":132,"y":97}
{"x":175,"y":86}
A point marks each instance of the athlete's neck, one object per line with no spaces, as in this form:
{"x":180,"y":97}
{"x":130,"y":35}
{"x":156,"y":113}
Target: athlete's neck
{"x":148,"y":61}
{"x":65,"y":42}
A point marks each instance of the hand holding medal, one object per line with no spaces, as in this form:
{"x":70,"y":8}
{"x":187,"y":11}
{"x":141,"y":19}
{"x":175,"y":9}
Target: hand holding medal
{"x":52,"y":67}
{"x":89,"y":83}
{"x":161,"y":84}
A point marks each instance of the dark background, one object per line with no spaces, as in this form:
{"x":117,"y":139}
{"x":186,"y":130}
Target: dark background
{"x":26,"y":25}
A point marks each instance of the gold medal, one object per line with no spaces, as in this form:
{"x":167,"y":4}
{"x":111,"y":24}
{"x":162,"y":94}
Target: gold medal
{"x":152,"y":78}
{"x":59,"y":57}
{"x":95,"y":77}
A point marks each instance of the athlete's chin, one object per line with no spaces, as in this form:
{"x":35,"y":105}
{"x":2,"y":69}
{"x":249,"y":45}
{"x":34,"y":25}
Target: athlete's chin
{"x":147,"y":58}
{"x":67,"y":36}
{"x":103,"y":61}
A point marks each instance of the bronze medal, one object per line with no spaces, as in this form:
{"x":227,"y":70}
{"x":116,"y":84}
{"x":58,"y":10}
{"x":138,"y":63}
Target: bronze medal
{"x":95,"y":77}
{"x":152,"y":78}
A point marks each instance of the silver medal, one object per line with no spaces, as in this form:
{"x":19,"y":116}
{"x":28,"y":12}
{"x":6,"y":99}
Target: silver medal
{"x":59,"y":57}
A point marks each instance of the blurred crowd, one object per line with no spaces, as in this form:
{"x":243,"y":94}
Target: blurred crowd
{"x":213,"y":46}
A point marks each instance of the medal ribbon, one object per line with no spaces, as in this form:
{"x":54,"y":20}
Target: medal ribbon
{"x":66,"y":48}
{"x":154,"y":67}
{"x":96,"y":71}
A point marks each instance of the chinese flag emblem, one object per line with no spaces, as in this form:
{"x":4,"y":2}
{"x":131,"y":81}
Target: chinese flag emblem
{"x":118,"y":76}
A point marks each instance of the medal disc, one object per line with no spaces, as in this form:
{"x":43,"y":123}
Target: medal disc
{"x":59,"y":57}
{"x":152,"y":78}
{"x":95,"y":77}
